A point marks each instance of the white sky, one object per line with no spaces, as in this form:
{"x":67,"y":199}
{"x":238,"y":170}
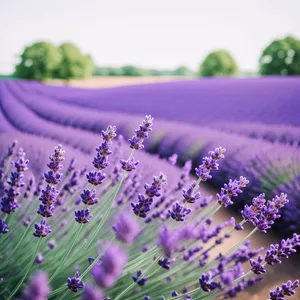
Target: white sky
{"x":152,"y":33}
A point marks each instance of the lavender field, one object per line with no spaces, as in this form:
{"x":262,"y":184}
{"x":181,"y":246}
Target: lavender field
{"x":256,"y":120}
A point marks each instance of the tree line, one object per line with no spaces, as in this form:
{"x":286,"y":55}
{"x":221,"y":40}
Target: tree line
{"x":44,"y":60}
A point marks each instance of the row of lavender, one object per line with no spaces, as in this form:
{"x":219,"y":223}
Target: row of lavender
{"x":163,"y":244}
{"x":268,"y":105}
{"x":271,"y":167}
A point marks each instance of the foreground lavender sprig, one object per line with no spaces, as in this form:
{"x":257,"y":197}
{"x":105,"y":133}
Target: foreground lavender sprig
{"x":275,"y":254}
{"x":53,"y":178}
{"x":210,"y":163}
{"x":113,"y":261}
{"x":287,"y":289}
{"x":143,"y":206}
{"x":136,"y":142}
{"x":263,"y":214}
{"x":74,"y":283}
{"x":9,"y":202}
{"x":38,"y":289}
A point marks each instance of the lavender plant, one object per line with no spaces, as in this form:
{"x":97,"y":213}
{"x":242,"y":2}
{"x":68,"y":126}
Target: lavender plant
{"x":110,"y":236}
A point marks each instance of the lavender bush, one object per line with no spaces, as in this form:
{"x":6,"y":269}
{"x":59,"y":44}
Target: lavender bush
{"x":109,"y":232}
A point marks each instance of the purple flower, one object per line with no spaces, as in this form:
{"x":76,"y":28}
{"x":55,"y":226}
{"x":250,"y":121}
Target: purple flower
{"x":147,"y":298}
{"x":282,"y":250}
{"x":179,"y":212}
{"x":3,"y":227}
{"x":49,"y":195}
{"x":232,"y":189}
{"x":41,"y":229}
{"x":126,"y":228}
{"x":173,"y":159}
{"x":95,"y":178}
{"x":206,"y":285}
{"x":109,"y":134}
{"x":263,"y":214}
{"x":243,"y":284}
{"x":46,"y":210}
{"x":9,"y":202}
{"x":113,"y":261}
{"x":168,"y":240}
{"x":141,"y":208}
{"x":83,"y":216}
{"x":137,"y":278}
{"x":52,"y":178}
{"x":136,"y":142}
{"x":38,"y":289}
{"x":256,"y":266}
{"x":74,"y":283}
{"x":174,"y":294}
{"x":100,"y":162}
{"x":210,"y":163}
{"x":287,"y":289}
{"x":258,"y":202}
{"x":129,"y":165}
{"x":39,"y":258}
{"x":188,"y":194}
{"x":91,"y":293}
{"x":248,"y":213}
{"x":88,"y":197}
{"x":280,"y":201}
{"x":51,"y":244}
{"x":166,"y":263}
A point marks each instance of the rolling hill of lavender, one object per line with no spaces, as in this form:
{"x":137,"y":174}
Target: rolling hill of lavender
{"x":257,"y":120}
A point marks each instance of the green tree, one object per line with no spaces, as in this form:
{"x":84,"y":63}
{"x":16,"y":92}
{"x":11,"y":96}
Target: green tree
{"x":218,"y":63}
{"x":183,"y":71}
{"x":132,"y":71}
{"x":38,"y":61}
{"x":73,"y":64}
{"x":281,"y":57}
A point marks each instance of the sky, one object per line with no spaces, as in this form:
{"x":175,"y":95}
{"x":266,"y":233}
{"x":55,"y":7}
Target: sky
{"x":155,"y":34}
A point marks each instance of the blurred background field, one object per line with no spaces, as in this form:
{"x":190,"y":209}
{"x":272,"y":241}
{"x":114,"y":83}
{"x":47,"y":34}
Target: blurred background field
{"x":211,"y":74}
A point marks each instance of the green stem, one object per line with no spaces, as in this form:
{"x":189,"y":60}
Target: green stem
{"x":134,"y":283}
{"x":67,"y":254}
{"x":20,"y":240}
{"x":27,"y":271}
{"x":63,"y":295}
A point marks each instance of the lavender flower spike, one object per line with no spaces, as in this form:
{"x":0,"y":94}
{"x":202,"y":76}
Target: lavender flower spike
{"x":210,"y":163}
{"x":126,"y":228}
{"x":129,"y":165}
{"x":232,"y":189}
{"x":282,"y":250}
{"x":38,"y":289}
{"x":83,"y":216}
{"x":41,"y":229}
{"x":136,"y":142}
{"x":179,"y":212}
{"x":74,"y":283}
{"x":52,"y":177}
{"x":3,"y":227}
{"x":113,"y":261}
{"x":287,"y":289}
{"x":9,"y":202}
{"x":91,"y":293}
